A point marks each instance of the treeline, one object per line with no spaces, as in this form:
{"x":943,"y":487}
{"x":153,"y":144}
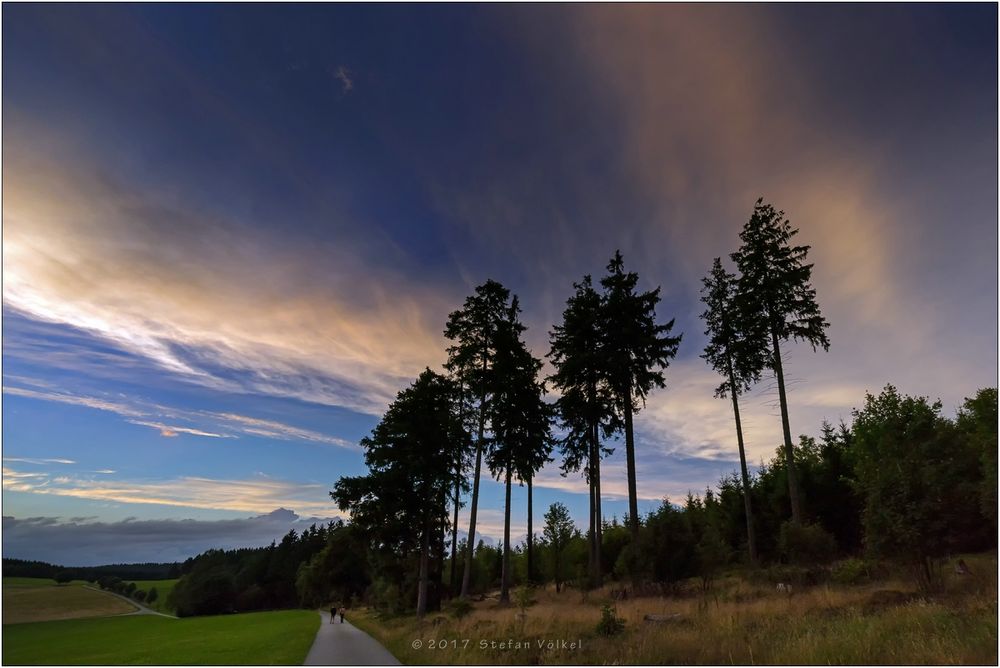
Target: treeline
{"x":285,"y":574}
{"x":40,"y":569}
{"x":130,"y":589}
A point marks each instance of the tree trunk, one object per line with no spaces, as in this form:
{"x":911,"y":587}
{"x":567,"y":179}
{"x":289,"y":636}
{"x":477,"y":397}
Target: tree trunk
{"x":592,"y":528}
{"x":793,"y":482}
{"x":425,"y":546}
{"x":467,"y":576}
{"x":633,"y":500}
{"x":598,"y":515}
{"x":505,"y":576}
{"x":751,"y":535}
{"x":531,"y":541}
{"x":453,"y":575}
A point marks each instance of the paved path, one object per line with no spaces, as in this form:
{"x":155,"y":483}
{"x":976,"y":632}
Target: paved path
{"x":346,"y":645}
{"x":140,"y":609}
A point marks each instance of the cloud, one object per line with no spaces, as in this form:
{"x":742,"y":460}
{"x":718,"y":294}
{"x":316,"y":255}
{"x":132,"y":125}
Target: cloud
{"x":343,"y":75}
{"x":80,"y":541}
{"x":173,"y":430}
{"x":253,"y":495}
{"x":273,"y":429}
{"x":134,"y":409}
{"x":30,"y":460}
{"x":207,"y":298}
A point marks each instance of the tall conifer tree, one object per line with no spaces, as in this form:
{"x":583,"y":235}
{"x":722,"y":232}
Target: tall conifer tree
{"x":637,"y":350}
{"x":737,"y":352}
{"x":474,"y":330}
{"x":774,"y":292}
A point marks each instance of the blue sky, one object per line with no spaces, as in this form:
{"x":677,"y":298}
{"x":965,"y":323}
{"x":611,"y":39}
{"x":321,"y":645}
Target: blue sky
{"x":232,"y":233}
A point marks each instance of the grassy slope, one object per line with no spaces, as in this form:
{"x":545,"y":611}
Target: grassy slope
{"x":42,"y":600}
{"x":261,"y":638}
{"x":163,"y":589}
{"x":740,"y":622}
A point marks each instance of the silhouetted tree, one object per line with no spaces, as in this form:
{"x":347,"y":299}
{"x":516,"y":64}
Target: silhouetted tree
{"x":637,"y":350}
{"x":738,"y":354}
{"x":586,"y":405}
{"x":774,"y":293}
{"x":410,"y":455}
{"x":520,"y":420}
{"x":474,"y":330}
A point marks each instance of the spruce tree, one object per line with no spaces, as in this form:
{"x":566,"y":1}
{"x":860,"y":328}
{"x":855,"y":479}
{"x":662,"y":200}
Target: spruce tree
{"x":586,"y":405}
{"x":409,"y":454}
{"x":637,"y":350}
{"x":474,"y":329}
{"x":736,"y":352}
{"x":520,"y":420}
{"x":774,"y":293}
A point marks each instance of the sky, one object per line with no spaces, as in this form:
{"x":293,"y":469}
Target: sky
{"x":231,"y":233}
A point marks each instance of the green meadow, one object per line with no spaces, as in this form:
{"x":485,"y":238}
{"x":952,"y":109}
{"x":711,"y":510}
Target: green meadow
{"x":163,"y":589}
{"x":260,"y":638}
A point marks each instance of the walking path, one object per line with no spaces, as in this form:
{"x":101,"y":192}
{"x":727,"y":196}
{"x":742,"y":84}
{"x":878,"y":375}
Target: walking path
{"x":346,"y":645}
{"x":140,"y":608}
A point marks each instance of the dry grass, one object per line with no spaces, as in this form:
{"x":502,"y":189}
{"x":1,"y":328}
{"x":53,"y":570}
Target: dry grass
{"x":738,"y":622}
{"x":46,"y":603}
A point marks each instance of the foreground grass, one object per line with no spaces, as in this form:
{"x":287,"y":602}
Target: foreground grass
{"x":260,"y":638}
{"x":38,"y":602}
{"x":163,"y":589}
{"x":738,"y":622}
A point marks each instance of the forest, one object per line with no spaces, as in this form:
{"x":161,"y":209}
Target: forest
{"x":900,"y":485}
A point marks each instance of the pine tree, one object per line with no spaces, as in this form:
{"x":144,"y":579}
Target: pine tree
{"x":637,"y":351}
{"x":558,"y":532}
{"x":736,"y":352}
{"x":474,"y":330}
{"x":775,"y":294}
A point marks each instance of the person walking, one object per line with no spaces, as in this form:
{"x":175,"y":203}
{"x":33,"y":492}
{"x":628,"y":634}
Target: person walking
{"x":341,"y":614}
{"x":333,"y":613}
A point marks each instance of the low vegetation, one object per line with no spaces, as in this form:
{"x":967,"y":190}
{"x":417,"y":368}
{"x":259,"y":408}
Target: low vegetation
{"x":268,"y":638}
{"x":742,"y":620}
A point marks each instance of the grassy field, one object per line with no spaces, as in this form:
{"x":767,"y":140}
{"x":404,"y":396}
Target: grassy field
{"x":261,"y":638}
{"x":738,"y":622}
{"x":37,"y":600}
{"x":163,"y":589}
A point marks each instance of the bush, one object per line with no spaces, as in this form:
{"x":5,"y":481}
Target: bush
{"x":152,"y":595}
{"x":63,"y":577}
{"x":850,"y":572}
{"x":139,"y":595}
{"x":611,"y":624}
{"x":806,"y":544}
{"x":522,"y":598}
{"x":460,"y":608}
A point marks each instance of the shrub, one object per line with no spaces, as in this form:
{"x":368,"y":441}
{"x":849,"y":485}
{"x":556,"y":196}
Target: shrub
{"x":139,"y":595}
{"x":522,"y":598}
{"x":460,"y":608}
{"x":611,"y":624}
{"x":152,"y":595}
{"x":850,"y":572}
{"x":806,"y":544}
{"x":63,"y":577}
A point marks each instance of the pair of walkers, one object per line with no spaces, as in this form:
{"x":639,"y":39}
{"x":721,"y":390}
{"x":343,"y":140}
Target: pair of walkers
{"x":333,"y":614}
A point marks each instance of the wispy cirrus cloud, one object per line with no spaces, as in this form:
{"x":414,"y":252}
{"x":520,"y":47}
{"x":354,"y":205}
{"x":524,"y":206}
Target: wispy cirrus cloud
{"x":256,"y":494}
{"x":230,"y":425}
{"x":204,"y":297}
{"x":174,"y":430}
{"x":32,"y":460}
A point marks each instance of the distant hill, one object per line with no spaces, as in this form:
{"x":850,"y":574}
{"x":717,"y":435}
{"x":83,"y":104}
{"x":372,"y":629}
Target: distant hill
{"x":40,"y":569}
